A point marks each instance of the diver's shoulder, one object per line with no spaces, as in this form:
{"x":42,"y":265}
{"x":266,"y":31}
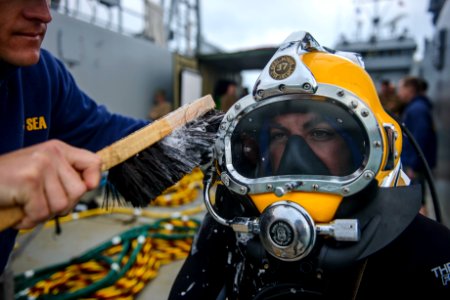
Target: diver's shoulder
{"x":427,"y":238}
{"x":429,"y":227}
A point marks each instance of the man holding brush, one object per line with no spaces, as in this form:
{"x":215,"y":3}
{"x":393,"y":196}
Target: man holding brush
{"x":49,"y":127}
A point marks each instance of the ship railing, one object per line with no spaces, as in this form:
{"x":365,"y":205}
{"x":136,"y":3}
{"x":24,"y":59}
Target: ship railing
{"x":131,"y":17}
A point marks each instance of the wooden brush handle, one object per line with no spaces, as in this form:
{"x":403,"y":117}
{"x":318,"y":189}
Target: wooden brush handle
{"x":143,"y":138}
{"x":10,"y":216}
{"x":131,"y":145}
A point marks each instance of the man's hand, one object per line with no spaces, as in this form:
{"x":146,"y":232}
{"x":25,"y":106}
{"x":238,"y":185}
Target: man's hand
{"x":46,"y":179}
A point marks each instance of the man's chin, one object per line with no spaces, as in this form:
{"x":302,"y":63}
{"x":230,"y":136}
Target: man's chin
{"x":24,"y":59}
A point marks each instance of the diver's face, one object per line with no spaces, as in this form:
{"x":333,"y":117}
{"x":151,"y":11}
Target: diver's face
{"x":323,"y":140}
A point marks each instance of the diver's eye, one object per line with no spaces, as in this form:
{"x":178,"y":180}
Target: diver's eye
{"x":322,"y":134}
{"x":277,"y":136}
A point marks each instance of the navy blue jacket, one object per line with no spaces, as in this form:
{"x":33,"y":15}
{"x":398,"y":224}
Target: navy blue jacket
{"x":417,"y":117}
{"x":43,"y":102}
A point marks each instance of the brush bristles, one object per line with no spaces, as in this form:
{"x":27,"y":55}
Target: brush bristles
{"x":142,"y":178}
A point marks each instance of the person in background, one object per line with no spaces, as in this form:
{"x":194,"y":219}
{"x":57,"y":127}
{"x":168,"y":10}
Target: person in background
{"x":423,"y":87}
{"x":49,"y":127}
{"x":225,"y":94}
{"x":417,"y":117}
{"x":388,"y":97}
{"x":161,"y":106}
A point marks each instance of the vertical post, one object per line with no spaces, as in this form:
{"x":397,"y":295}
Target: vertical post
{"x":188,"y":29}
{"x":120,"y":17}
{"x":77,"y":8}
{"x":199,"y":27}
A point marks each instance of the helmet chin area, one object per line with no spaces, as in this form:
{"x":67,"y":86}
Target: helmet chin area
{"x":287,"y":231}
{"x":320,"y":206}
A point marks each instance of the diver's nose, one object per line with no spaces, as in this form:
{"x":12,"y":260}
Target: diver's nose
{"x":299,"y":158}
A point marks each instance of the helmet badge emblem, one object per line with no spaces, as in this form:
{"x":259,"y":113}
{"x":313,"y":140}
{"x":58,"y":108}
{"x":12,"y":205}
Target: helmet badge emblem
{"x":282,"y":67}
{"x":281,"y":233}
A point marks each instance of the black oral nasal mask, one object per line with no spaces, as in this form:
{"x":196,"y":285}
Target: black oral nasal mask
{"x":299,"y":158}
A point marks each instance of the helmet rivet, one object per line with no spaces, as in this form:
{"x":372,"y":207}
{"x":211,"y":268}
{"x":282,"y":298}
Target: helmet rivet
{"x":368,"y":175}
{"x":237,"y":106}
{"x":292,"y":185}
{"x":269,"y":187}
{"x":345,"y":190}
{"x":279,"y":191}
{"x":315,"y":187}
{"x":260,"y":93}
{"x":226,"y":180}
{"x":242,"y":189}
{"x":222,"y":127}
{"x":282,"y":88}
{"x":364,"y":112}
{"x":306,"y":86}
{"x":340,"y":93}
{"x":377,"y":144}
{"x":353,"y":104}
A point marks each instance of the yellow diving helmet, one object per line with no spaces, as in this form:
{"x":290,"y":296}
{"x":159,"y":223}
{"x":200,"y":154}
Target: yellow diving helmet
{"x":312,"y":132}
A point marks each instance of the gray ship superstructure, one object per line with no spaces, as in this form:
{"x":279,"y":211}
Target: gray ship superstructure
{"x":389,"y":59}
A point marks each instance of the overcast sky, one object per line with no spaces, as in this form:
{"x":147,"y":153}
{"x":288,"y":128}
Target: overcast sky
{"x":242,"y":24}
